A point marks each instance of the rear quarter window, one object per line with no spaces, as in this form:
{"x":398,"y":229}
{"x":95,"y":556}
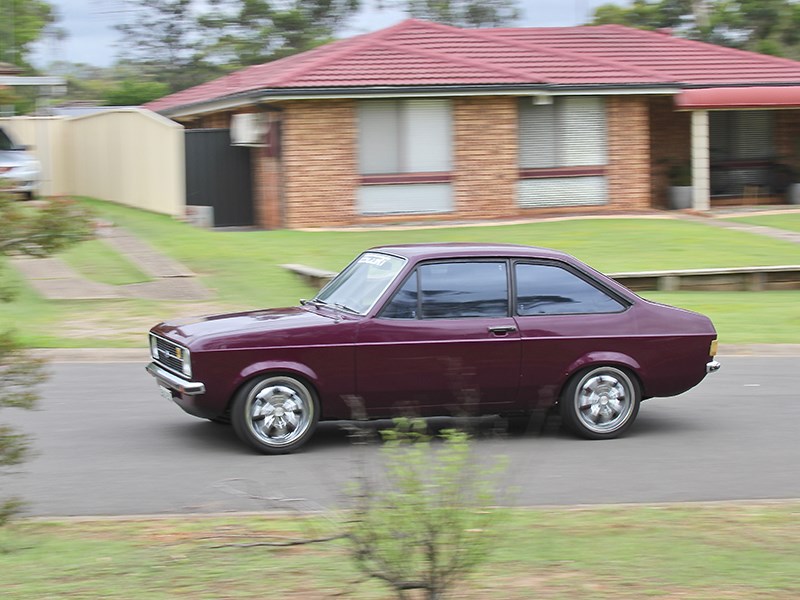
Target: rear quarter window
{"x":546,"y":289}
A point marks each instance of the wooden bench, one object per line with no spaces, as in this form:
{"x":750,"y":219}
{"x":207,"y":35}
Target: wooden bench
{"x":315,"y":277}
{"x":782,"y":277}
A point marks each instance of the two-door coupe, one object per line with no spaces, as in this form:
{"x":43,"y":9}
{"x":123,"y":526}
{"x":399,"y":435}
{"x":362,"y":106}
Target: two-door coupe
{"x":437,"y":329}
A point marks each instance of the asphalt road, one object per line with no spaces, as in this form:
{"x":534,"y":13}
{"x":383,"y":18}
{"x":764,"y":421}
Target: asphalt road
{"x":106,"y":443}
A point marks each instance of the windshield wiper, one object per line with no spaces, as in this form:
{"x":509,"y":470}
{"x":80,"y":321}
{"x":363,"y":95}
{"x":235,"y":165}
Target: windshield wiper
{"x":314,"y":302}
{"x":352,"y":311}
{"x":317,"y":302}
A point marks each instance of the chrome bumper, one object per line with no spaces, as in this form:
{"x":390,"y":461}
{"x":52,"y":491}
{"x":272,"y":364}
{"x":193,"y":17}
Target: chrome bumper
{"x":173,"y":382}
{"x":713,"y":367}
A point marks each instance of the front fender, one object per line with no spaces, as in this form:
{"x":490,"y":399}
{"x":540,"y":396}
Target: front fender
{"x":276,"y":366}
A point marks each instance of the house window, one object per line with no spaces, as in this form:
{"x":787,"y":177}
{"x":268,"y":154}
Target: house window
{"x":405,"y":156}
{"x":562,"y":152}
{"x":742,"y":151}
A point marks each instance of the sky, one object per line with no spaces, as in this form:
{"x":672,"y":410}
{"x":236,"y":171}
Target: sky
{"x":91,"y":36}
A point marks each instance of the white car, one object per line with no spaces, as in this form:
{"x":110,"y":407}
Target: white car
{"x":19,"y":170}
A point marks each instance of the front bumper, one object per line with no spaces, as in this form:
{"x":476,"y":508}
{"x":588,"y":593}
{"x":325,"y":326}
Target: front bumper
{"x":173,"y":382}
{"x":20,"y":180}
{"x":713,"y":367}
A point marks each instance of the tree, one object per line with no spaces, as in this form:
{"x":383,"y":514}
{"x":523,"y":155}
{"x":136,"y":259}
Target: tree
{"x":767,"y":26}
{"x":248,"y":32}
{"x":23,"y":23}
{"x":163,"y":39}
{"x":464,"y":13}
{"x":134,"y":93}
{"x":183,"y":43}
{"x":645,"y":14}
{"x":36,"y":232}
{"x":427,"y":520}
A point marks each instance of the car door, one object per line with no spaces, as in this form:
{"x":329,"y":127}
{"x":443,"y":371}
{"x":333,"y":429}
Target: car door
{"x":563,"y":316}
{"x":444,"y":343}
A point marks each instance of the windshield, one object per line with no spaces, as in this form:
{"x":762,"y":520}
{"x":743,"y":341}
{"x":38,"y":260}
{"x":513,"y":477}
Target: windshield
{"x":5,"y":141}
{"x":360,"y":285}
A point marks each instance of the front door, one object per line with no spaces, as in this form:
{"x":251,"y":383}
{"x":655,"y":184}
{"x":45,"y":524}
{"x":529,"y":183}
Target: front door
{"x":445,"y":343}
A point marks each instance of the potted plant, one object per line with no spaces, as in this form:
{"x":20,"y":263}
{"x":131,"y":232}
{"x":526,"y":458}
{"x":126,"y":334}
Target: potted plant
{"x":680,"y":185}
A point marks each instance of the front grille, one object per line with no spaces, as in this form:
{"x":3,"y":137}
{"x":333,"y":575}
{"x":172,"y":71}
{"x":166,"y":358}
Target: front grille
{"x":170,"y":355}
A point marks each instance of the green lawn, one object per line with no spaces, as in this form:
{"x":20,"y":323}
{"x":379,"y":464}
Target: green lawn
{"x":788,"y":221}
{"x":693,"y":552}
{"x":243,"y":269}
{"x":743,"y":317}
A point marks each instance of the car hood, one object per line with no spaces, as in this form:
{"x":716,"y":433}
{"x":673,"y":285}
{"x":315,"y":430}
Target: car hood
{"x":237,"y":330}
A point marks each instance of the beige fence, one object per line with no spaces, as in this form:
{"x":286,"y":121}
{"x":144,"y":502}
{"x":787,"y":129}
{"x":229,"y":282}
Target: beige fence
{"x":130,"y":156}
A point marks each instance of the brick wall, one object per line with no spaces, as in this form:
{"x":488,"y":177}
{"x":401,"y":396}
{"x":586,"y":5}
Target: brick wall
{"x":319,"y":163}
{"x":315,"y":181}
{"x":670,"y":144}
{"x":628,"y":171}
{"x":267,"y":180}
{"x":485,"y":157}
{"x":787,"y":138}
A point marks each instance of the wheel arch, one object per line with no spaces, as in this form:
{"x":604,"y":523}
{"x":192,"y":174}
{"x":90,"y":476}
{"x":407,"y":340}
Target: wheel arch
{"x":602,"y":358}
{"x":299,"y":371}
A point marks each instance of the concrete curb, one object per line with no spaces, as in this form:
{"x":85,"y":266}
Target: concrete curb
{"x":273,"y":514}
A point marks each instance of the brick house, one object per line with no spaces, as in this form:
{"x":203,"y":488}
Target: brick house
{"x":423,"y":121}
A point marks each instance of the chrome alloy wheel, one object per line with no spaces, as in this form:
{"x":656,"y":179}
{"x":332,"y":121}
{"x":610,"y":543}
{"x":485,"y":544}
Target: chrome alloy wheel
{"x":280,"y":411}
{"x":604,"y":400}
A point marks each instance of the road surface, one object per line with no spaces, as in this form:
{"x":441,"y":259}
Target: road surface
{"x":106,"y":443}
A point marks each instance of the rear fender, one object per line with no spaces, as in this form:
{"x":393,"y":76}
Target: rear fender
{"x":614,"y":359}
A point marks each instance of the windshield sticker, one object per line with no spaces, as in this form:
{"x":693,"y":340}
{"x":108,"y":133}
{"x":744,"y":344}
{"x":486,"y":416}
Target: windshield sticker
{"x":374,"y":259}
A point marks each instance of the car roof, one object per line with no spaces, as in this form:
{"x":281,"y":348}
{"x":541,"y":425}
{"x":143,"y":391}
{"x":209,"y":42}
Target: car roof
{"x":470,"y":249}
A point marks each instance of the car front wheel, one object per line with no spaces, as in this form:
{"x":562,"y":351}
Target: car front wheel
{"x":600,"y":403}
{"x":275,"y":414}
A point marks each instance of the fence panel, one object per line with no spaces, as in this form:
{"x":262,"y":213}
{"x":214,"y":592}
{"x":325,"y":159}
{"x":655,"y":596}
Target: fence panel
{"x":130,"y":156}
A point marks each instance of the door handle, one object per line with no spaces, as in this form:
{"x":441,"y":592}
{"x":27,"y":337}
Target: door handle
{"x":502,"y":329}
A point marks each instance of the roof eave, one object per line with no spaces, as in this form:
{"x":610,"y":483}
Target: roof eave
{"x":268,"y":95}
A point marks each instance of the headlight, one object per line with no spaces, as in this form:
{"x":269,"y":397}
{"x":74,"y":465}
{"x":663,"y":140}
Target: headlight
{"x":187,"y":363}
{"x":153,"y":347}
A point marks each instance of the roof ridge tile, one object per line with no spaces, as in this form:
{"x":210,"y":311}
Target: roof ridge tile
{"x":608,"y":62}
{"x":355,"y":43}
{"x":689,"y":42}
{"x":462,"y":60}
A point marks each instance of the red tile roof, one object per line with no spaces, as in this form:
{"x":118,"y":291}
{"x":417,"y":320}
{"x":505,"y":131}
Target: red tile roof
{"x":417,"y":53}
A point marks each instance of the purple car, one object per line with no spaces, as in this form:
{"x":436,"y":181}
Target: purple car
{"x":436,"y":329}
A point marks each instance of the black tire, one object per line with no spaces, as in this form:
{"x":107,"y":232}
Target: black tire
{"x":600,"y":402}
{"x":275,"y":414}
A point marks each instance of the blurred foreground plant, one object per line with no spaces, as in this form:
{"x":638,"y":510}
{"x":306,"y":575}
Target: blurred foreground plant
{"x":426,"y":519}
{"x":35,"y":230}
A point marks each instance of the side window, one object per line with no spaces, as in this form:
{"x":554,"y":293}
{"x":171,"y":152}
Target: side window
{"x":552,"y":290}
{"x":403,"y":304}
{"x":463,"y":289}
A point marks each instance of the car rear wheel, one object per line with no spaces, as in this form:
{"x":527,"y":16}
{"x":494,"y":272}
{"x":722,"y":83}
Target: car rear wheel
{"x":600,"y":403}
{"x":275,"y":414}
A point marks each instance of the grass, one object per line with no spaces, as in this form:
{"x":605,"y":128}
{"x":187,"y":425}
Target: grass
{"x":743,"y":317}
{"x":95,"y":260}
{"x":243,"y":269}
{"x":788,"y":221}
{"x":692,"y":552}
